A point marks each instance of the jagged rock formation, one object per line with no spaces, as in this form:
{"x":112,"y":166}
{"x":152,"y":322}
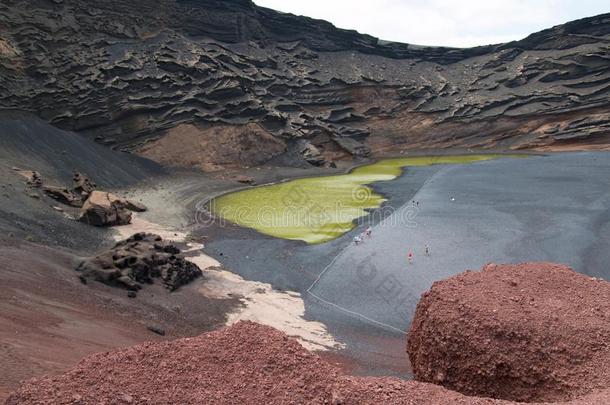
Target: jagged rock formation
{"x":532,"y":332}
{"x":82,"y":185}
{"x":97,"y":208}
{"x":129,"y":73}
{"x":138,"y":260}
{"x":106,"y":209}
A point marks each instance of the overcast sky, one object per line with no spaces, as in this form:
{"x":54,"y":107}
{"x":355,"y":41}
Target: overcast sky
{"x":458,"y":23}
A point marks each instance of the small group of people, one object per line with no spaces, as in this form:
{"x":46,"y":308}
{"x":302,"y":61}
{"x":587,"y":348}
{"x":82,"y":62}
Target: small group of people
{"x":426,"y":253}
{"x":368,"y":233}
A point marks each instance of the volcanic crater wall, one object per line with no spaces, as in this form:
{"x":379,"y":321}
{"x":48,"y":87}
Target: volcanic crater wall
{"x":127,"y":73}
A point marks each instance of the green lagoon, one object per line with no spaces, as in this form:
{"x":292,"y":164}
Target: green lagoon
{"x":319,"y":209}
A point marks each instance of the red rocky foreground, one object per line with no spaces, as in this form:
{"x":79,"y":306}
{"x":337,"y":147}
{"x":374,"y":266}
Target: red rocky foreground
{"x":255,"y":364}
{"x":527,"y":332}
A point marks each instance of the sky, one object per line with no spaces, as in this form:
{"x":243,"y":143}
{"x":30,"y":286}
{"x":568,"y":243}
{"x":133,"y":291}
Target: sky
{"x":458,"y":23}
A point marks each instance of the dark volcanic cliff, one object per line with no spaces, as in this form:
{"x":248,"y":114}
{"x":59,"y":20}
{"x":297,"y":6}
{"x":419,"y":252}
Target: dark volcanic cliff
{"x":213,"y":83}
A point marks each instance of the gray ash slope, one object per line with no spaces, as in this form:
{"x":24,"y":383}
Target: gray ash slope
{"x":129,"y":73}
{"x":30,"y":143}
{"x":27,"y":142}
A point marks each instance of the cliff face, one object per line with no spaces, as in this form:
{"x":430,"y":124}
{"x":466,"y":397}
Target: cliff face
{"x":128,"y":73}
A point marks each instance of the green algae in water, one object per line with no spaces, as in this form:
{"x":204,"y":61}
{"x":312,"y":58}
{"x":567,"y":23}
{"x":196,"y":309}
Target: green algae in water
{"x":319,"y":209}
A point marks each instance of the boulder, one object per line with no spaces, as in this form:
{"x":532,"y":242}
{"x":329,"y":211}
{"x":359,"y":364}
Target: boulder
{"x":310,"y":153}
{"x":82,"y":185}
{"x":32,"y":177}
{"x":63,"y":195}
{"x":526,"y":332}
{"x":134,"y":206}
{"x":353,"y":147}
{"x":139,"y":260}
{"x":245,"y":180}
{"x":156,"y":329}
{"x":105,"y":209}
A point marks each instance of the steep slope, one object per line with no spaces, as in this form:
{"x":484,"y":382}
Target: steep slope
{"x":128,"y":73}
{"x":30,"y":143}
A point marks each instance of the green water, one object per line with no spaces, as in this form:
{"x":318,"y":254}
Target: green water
{"x":319,"y":209}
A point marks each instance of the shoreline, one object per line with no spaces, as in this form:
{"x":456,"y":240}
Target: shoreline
{"x":237,"y":243}
{"x":349,"y":168}
{"x":273,"y":176}
{"x":260,"y":302}
{"x":202,"y":206}
{"x":299,"y":267}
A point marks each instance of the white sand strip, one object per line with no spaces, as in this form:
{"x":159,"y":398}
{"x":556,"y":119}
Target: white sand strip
{"x":261,"y":303}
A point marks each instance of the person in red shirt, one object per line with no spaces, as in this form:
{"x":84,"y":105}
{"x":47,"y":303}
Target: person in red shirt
{"x":410,"y":257}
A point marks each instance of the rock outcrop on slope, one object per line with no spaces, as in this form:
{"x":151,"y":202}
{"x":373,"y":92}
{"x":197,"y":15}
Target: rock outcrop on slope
{"x":102,"y":208}
{"x":105,"y":209}
{"x":139,"y":260}
{"x":528,"y":332}
{"x":97,"y":208}
{"x":128,"y":74}
{"x":75,"y":197}
{"x":246,"y":363}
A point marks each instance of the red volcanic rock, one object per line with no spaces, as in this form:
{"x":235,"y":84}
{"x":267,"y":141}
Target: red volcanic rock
{"x":246,"y":363}
{"x":387,"y":390}
{"x":527,"y":332}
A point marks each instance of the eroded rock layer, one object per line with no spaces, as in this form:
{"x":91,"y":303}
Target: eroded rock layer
{"x":129,"y":73}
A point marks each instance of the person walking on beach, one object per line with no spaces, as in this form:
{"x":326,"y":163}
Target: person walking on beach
{"x":427,"y":250}
{"x":368,"y":232}
{"x":410,"y":257}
